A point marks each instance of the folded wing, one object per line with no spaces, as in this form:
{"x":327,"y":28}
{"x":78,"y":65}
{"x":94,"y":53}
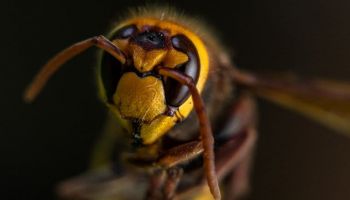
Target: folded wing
{"x":325,"y":101}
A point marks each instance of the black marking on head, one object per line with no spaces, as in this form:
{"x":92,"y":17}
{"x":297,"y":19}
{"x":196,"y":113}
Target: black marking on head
{"x":150,"y":40}
{"x":176,"y":93}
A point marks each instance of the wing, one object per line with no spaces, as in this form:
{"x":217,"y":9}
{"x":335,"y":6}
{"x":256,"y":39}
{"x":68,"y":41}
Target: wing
{"x":325,"y":101}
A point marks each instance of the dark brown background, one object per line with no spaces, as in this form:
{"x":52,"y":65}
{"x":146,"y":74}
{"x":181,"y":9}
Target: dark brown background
{"x":50,"y":140}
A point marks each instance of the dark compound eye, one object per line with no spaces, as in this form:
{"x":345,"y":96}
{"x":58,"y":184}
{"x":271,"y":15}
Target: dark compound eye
{"x":111,"y":68}
{"x":176,"y":93}
{"x":125,"y":32}
{"x":111,"y":72}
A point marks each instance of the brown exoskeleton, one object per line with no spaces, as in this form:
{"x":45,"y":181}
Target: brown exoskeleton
{"x":157,"y":72}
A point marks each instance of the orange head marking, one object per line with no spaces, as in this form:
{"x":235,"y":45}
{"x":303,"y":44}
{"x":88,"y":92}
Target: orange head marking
{"x":149,"y":43}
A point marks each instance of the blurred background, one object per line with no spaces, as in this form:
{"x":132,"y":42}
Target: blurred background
{"x":50,"y":140}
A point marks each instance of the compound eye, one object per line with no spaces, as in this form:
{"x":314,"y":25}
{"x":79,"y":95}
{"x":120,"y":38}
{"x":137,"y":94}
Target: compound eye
{"x":176,"y":93}
{"x":111,"y":71}
{"x":125,"y":32}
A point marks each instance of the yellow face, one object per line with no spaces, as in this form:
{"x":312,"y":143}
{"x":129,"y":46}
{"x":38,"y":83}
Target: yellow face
{"x":147,"y":104}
